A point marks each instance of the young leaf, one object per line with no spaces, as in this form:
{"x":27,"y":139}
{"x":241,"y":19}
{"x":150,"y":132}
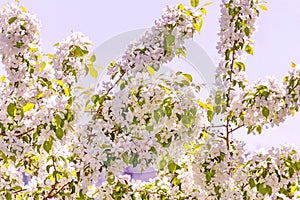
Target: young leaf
{"x":3,"y":78}
{"x":23,"y":9}
{"x":203,"y":10}
{"x":188,"y":77}
{"x":208,"y":3}
{"x":194,"y":3}
{"x":28,"y":107}
{"x":181,"y":7}
{"x":249,"y":49}
{"x":240,"y":66}
{"x":293,"y":189}
{"x":263,"y":7}
{"x":150,"y":70}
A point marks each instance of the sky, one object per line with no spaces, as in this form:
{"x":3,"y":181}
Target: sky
{"x":277,"y":41}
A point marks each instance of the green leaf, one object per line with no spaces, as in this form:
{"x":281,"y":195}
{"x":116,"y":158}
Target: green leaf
{"x":11,"y":20}
{"x":47,"y":146}
{"x":172,"y":166}
{"x":8,"y":196}
{"x":263,"y":7}
{"x":93,"y":72}
{"x":185,"y":82}
{"x":168,"y":43}
{"x":170,"y":39}
{"x":247,"y":31}
{"x":188,"y":120}
{"x":122,"y":85}
{"x":149,"y":128}
{"x":210,"y":115}
{"x":249,"y":50}
{"x":168,"y":110}
{"x":158,"y":115}
{"x":162,"y":164}
{"x":251,"y":183}
{"x":250,"y":129}
{"x":28,"y":107}
{"x":135,"y":160}
{"x":12,"y":109}
{"x":153,"y":150}
{"x":291,"y":172}
{"x":218,"y":99}
{"x":59,"y":133}
{"x":110,"y":178}
{"x":217,"y":109}
{"x":16,"y":188}
{"x":93,"y":58}
{"x":258,"y":129}
{"x":265,"y":94}
{"x":78,"y":52}
{"x":125,"y":158}
{"x":265,"y":112}
{"x":269,"y":189}
{"x":150,"y":70}
{"x":176,"y":181}
{"x":194,"y":3}
{"x":261,"y":189}
{"x":57,"y":120}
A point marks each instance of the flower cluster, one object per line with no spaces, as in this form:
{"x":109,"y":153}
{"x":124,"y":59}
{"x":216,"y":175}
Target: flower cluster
{"x":69,"y":56}
{"x":237,"y":25}
{"x":36,"y":109}
{"x":148,"y":120}
{"x":267,"y":103}
{"x":161,"y":43}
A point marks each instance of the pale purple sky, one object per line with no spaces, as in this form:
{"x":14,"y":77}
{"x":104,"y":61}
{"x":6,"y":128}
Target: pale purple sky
{"x":277,"y":41}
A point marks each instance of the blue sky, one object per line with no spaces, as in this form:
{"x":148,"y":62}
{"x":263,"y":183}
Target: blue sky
{"x":277,"y":41}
